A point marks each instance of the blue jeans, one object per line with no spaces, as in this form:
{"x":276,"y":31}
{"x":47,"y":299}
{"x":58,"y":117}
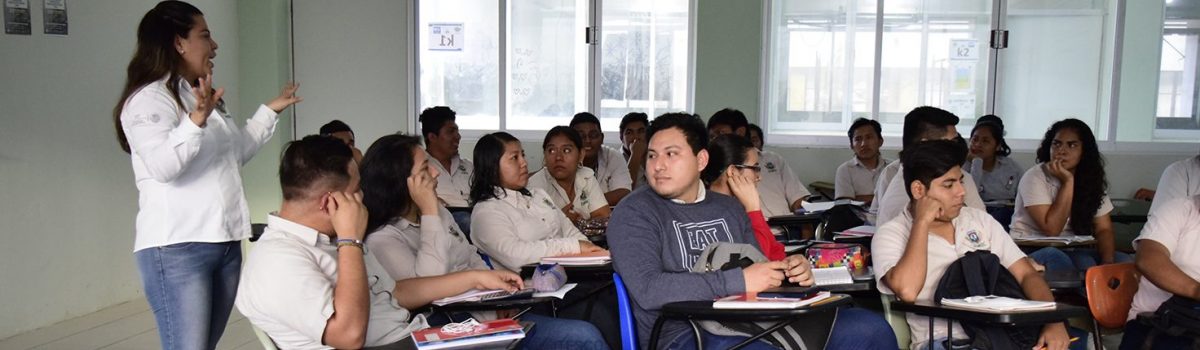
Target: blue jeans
{"x":855,"y":328}
{"x":1083,"y":258}
{"x":463,"y":219}
{"x":1081,"y":344}
{"x":190,"y":287}
{"x":1053,"y":258}
{"x":561,"y":333}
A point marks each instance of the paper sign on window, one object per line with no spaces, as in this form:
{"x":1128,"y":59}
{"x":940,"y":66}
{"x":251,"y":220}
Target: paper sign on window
{"x":446,"y":36}
{"x":964,"y":49}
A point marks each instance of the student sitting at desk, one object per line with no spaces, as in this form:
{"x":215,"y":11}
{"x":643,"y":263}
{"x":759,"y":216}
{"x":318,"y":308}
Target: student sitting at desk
{"x":779,"y":189}
{"x":733,"y":170}
{"x":633,"y":146}
{"x":416,"y":240}
{"x":515,"y":225}
{"x":996,"y":173}
{"x":1180,"y":179}
{"x":572,"y":188}
{"x":609,"y":165}
{"x":922,"y":123}
{"x":1168,"y":256}
{"x":856,"y":178}
{"x":339,"y":130}
{"x":1052,"y":201}
{"x":658,"y":233}
{"x":454,"y":172}
{"x":912,"y":251}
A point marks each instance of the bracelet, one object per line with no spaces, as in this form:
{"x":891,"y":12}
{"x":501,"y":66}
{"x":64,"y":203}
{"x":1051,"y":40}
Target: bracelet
{"x":350,"y":243}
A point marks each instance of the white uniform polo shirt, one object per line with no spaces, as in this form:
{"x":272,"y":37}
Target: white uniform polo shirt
{"x":286,"y":289}
{"x":895,"y":200}
{"x":516,"y":229}
{"x":974,"y":230}
{"x":613,"y":172}
{"x":779,"y":187}
{"x":855,"y":179}
{"x":433,"y":247}
{"x":1039,"y":188}
{"x":1176,"y":226}
{"x":1180,"y":179}
{"x":454,"y":184}
{"x":589,"y":196}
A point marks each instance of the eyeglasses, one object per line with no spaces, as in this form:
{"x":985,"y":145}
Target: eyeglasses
{"x":756,"y":168}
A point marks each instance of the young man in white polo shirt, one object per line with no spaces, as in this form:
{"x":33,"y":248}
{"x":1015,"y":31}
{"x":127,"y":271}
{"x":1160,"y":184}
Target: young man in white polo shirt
{"x":922,"y":123}
{"x":454,"y":172}
{"x":779,"y":190}
{"x":309,"y":284}
{"x":1180,"y":179}
{"x":612,"y":171}
{"x":912,"y":251}
{"x":1168,"y":256}
{"x":856,"y":178}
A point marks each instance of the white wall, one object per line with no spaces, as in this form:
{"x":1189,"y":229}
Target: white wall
{"x":68,"y":195}
{"x":351,"y":61}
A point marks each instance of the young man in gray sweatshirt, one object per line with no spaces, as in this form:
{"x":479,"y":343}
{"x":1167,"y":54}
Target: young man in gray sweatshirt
{"x":658,"y":232}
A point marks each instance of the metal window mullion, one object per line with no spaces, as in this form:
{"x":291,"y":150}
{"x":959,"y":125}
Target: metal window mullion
{"x":292,"y":69}
{"x":1114,"y":99}
{"x":998,"y":16}
{"x":848,"y":64}
{"x":596,"y":22}
{"x":923,"y":68}
{"x":653,"y":67}
{"x":503,"y":53}
{"x":414,"y":62}
{"x":766,"y":62}
{"x":690,"y":104}
{"x":877,"y":82}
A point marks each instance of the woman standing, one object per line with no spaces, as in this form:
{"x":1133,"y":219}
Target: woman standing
{"x":186,"y":154}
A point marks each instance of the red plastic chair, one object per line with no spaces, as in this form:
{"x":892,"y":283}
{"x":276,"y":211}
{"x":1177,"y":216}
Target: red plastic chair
{"x":1110,"y":290}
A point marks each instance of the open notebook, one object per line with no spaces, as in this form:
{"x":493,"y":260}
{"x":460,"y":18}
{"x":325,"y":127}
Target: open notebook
{"x":992,"y":303}
{"x":584,"y":259}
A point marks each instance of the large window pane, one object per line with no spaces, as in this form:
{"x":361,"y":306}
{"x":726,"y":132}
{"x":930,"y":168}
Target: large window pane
{"x":1057,"y":65}
{"x":934,"y":53}
{"x":1177,"y":90}
{"x":821,"y":70}
{"x":547,"y":62}
{"x":643,"y":58}
{"x":464,"y":75}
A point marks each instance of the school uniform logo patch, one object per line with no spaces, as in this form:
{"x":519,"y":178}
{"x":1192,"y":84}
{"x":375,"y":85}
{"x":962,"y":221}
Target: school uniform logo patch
{"x":974,"y":240}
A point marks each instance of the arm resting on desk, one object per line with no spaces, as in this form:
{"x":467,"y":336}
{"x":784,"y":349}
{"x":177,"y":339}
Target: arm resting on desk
{"x":414,"y":293}
{"x":1154,"y":261}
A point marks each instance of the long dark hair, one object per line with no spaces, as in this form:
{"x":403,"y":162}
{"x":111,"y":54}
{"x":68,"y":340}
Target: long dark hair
{"x":155,"y":56}
{"x":1091,"y":187}
{"x":385,"y":170}
{"x":486,"y":175}
{"x":723,"y":151}
{"x":996,"y":127}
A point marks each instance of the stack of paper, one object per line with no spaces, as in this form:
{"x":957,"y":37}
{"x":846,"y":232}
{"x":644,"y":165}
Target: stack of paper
{"x":746,"y":301}
{"x":832,"y":275}
{"x":496,"y":333}
{"x":992,"y":303}
{"x":1064,"y":239}
{"x":859,"y":231}
{"x":584,"y":259}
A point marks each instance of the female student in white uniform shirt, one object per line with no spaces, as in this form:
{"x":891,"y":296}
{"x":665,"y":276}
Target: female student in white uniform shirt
{"x":512,"y":224}
{"x":1053,"y":201}
{"x":573,"y":188}
{"x":187,"y":154}
{"x":996,"y":173}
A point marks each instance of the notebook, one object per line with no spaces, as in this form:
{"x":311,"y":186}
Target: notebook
{"x":832,"y":275}
{"x":583,"y":259}
{"x":749,"y":301}
{"x":495,"y":333}
{"x":992,"y":303}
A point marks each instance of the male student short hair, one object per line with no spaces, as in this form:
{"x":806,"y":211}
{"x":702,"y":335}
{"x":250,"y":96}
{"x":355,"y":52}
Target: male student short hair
{"x":334,"y":126}
{"x":433,"y":119}
{"x":926,"y":122}
{"x":312,"y":165}
{"x":861,"y":122}
{"x":633,"y":117}
{"x":733,"y":118}
{"x":692,"y":127}
{"x":927,"y":160}
{"x":583,"y":118}
{"x":755,"y":129}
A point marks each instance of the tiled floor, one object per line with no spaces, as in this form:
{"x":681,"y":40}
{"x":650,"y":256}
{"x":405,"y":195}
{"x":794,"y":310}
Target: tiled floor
{"x":127,"y":326}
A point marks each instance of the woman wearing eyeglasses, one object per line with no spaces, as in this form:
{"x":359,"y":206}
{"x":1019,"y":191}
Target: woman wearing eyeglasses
{"x":733,"y":170}
{"x":1053,"y":202}
{"x":573,"y":188}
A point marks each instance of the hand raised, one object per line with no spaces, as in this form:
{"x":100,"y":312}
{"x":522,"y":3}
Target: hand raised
{"x":206,"y":100}
{"x":286,"y":98}
{"x":349,"y":214}
{"x":764,"y":275}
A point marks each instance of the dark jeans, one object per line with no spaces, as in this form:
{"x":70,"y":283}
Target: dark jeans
{"x":190,"y":287}
{"x":1136,"y":333}
{"x":855,"y":328}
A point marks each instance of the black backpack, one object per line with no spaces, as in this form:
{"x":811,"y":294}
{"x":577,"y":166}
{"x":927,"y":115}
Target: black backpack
{"x":842,"y":217}
{"x":980,"y":273}
{"x":1178,"y":317}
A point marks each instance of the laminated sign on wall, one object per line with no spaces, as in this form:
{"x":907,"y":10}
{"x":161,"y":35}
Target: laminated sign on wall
{"x":446,"y":36}
{"x":16,"y":17}
{"x":54,"y":14}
